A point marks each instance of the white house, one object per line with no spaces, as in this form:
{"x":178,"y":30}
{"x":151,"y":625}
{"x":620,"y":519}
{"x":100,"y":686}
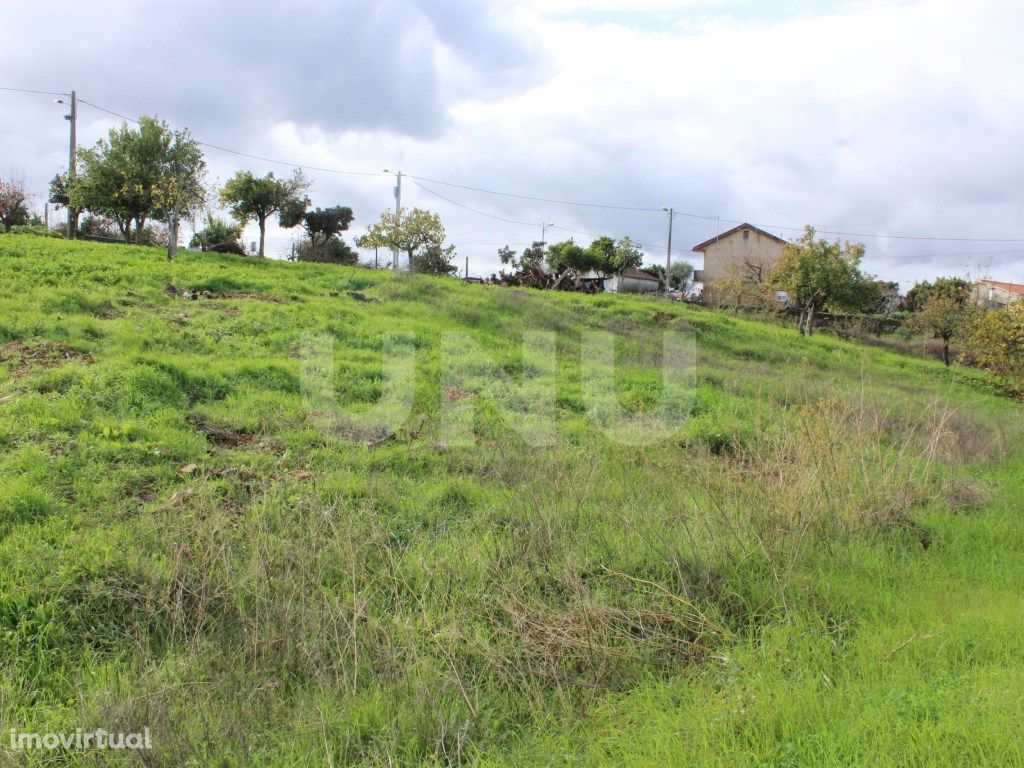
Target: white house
{"x":632,"y":280}
{"x":992,"y":293}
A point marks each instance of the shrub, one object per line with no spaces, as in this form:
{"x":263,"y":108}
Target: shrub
{"x":997,"y":339}
{"x":333,"y":251}
{"x":218,"y":235}
{"x":36,"y":230}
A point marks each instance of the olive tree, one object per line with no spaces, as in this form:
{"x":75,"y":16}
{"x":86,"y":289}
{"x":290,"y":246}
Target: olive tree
{"x":417,"y":233}
{"x":135,"y":174}
{"x":256,"y":198}
{"x":819,"y":274}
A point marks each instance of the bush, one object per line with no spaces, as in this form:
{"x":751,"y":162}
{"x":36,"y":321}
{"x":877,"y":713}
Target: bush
{"x":997,"y":339}
{"x":334,"y":251}
{"x":36,"y":230}
{"x":98,"y":227}
{"x":218,"y":235}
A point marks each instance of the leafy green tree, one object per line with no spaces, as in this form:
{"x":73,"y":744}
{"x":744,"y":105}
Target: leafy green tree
{"x":507,"y":255}
{"x":567,"y":255}
{"x":954,"y":287}
{"x":179,"y":190}
{"x":435,"y":260}
{"x":533,"y":256}
{"x":412,"y":233}
{"x":138,"y":173}
{"x":601,"y":253}
{"x":997,"y":340}
{"x":626,"y":255}
{"x":659,"y":272}
{"x":680,"y":276}
{"x":818,"y":275}
{"x":610,"y":257}
{"x":218,"y":234}
{"x":13,"y":204}
{"x":333,"y":250}
{"x":255,"y":198}
{"x":946,"y":313}
{"x":323,"y":224}
{"x":60,"y":197}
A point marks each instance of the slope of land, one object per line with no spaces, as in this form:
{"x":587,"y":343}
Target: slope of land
{"x":821,"y":566}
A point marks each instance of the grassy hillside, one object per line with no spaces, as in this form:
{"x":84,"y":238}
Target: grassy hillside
{"x":822,"y":565}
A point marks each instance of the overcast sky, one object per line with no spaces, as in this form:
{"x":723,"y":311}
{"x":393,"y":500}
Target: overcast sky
{"x":876,"y":118}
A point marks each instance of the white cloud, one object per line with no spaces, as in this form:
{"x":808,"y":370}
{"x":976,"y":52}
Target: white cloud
{"x":870,"y":117}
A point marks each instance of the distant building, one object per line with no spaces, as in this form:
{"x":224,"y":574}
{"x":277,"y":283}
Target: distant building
{"x":744,"y":252}
{"x":632,"y":280}
{"x":993,"y":294}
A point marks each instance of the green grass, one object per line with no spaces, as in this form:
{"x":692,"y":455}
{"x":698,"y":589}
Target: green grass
{"x":821,"y":566}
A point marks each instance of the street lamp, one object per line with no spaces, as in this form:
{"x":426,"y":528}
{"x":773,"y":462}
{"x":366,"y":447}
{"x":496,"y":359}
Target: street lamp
{"x":544,"y":231}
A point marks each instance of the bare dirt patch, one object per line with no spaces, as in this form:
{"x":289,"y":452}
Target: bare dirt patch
{"x":23,"y":358}
{"x":183,"y":293}
{"x":221,"y":436}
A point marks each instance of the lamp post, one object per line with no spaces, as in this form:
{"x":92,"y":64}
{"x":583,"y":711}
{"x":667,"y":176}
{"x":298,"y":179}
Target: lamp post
{"x":544,"y":231}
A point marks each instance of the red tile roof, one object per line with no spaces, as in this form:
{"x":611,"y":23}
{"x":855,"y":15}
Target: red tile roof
{"x":639,"y":274}
{"x":1013,"y":288}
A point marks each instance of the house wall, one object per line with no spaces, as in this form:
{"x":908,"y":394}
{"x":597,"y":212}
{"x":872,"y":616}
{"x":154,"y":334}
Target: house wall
{"x":633,"y":285}
{"x":742,"y":257}
{"x":991,"y":296}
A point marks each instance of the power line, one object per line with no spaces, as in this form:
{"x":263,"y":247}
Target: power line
{"x":473,"y":210}
{"x":291,"y":165}
{"x":29,"y":90}
{"x":33,"y":151}
{"x":544,"y":199}
{"x":243,"y":154}
{"x":108,"y":111}
{"x":555,"y":201}
{"x":33,"y":138}
{"x":703,"y":217}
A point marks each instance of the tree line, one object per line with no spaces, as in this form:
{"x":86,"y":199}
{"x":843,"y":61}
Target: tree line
{"x":604,"y":256}
{"x":139,"y":175}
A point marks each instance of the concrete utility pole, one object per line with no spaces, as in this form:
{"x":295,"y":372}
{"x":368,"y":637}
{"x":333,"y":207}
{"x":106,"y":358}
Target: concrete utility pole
{"x":398,"y":208}
{"x":544,"y":232}
{"x":73,"y":119}
{"x":668,"y":249}
{"x":467,"y":267}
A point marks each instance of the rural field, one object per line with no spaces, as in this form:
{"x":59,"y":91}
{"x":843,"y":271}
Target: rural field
{"x":822,"y":566}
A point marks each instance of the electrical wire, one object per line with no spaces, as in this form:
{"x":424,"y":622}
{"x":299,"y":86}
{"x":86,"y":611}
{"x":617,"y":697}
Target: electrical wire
{"x":29,"y":90}
{"x":543,"y":199}
{"x":473,"y":210}
{"x":555,"y":201}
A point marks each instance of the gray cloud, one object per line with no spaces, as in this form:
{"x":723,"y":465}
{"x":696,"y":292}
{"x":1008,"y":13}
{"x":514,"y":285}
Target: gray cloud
{"x":873,"y":117}
{"x":233,"y":69}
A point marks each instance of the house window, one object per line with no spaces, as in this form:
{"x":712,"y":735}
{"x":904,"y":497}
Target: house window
{"x":746,"y":234}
